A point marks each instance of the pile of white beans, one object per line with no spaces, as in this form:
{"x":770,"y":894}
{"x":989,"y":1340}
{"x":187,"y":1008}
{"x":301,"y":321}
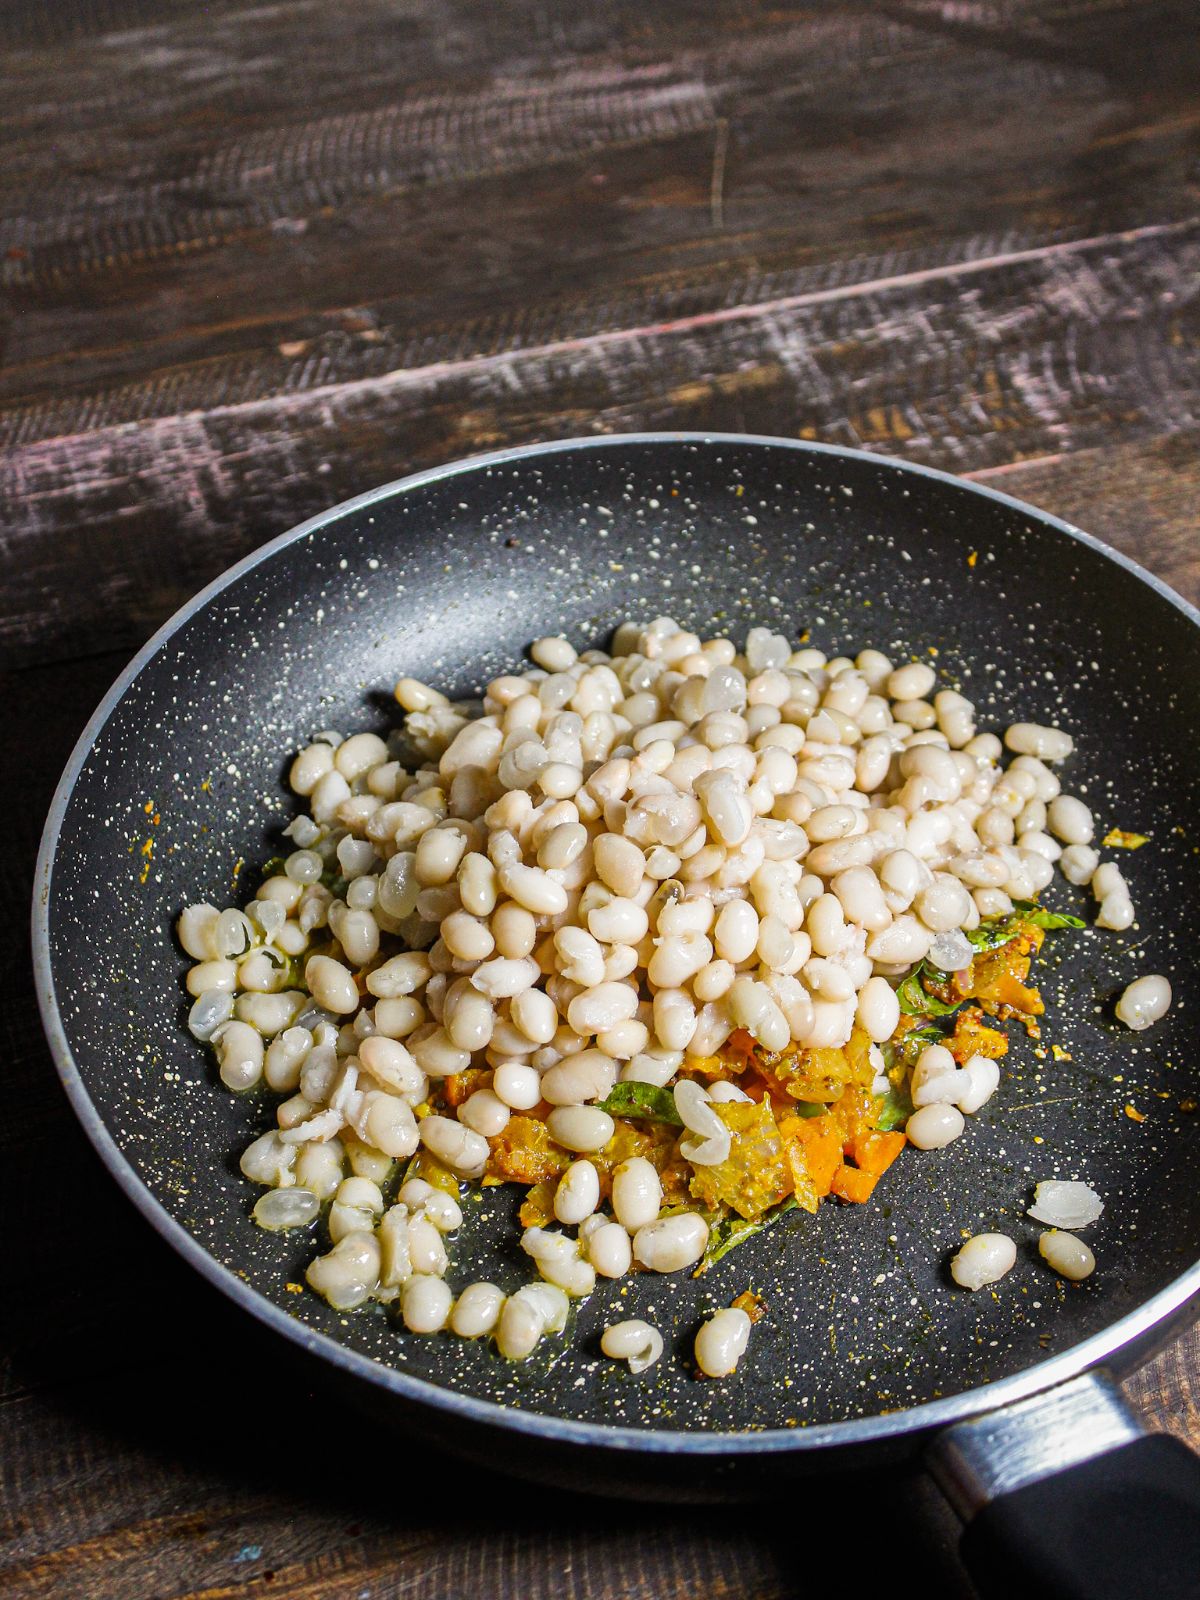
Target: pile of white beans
{"x":620,"y":860}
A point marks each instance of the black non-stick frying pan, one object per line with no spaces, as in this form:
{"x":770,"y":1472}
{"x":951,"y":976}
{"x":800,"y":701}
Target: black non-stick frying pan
{"x":176,"y":790}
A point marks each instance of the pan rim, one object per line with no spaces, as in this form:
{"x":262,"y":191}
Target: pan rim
{"x":1133,"y":1329}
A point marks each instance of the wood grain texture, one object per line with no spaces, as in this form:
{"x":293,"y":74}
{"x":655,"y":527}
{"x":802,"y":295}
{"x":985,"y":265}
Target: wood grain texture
{"x":255,"y":258}
{"x":1074,"y":346}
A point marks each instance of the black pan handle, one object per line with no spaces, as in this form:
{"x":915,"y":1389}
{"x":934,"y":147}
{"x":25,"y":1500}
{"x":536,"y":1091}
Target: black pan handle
{"x":1065,"y":1497}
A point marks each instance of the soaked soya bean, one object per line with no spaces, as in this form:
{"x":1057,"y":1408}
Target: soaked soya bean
{"x":485,"y":1113}
{"x":1070,"y":820}
{"x":878,"y":1010}
{"x":1144,"y":1002}
{"x":634,"y":1341}
{"x":602,"y":1007}
{"x":862,"y":898}
{"x":1031,"y":739}
{"x":934,"y":1126}
{"x":221,"y":976}
{"x":518,"y":1085}
{"x":636,"y":1193}
{"x":904,"y":943}
{"x":607,"y":1247}
{"x":270,"y":1014}
{"x":390,"y":1063}
{"x":438,"y":1207}
{"x":671,"y":1243}
{"x":1078,"y":863}
{"x":582,"y":1129}
{"x":982,"y":1260}
{"x":982,"y":1079}
{"x":427,"y":1253}
{"x":586,"y":1075}
{"x":319,"y":1168}
{"x":425,"y":1303}
{"x":280,"y":1209}
{"x":331,"y":985}
{"x":1116,"y":912}
{"x":455,"y":1145}
{"x":269,"y":1159}
{"x":901,"y":876}
{"x":196,"y":932}
{"x":527,"y":1317}
{"x":560,"y":1261}
{"x":936,"y":1079}
{"x":577,"y":1194}
{"x":752,"y":1006}
{"x":735,"y":934}
{"x":505,"y":977}
{"x":349,"y":1274}
{"x":240,"y":1053}
{"x":1062,"y":1251}
{"x":477,"y":1310}
{"x":721,"y":1342}
{"x":912,"y":682}
{"x":389,"y":1125}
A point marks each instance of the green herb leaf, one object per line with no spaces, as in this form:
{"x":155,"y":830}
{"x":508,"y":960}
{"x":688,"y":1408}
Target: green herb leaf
{"x":993,"y":933}
{"x":808,"y":1108}
{"x":273,"y":867}
{"x":644,"y":1100}
{"x":726,"y":1235}
{"x":1042,"y":917}
{"x":916,"y":1001}
{"x":895,"y":1110}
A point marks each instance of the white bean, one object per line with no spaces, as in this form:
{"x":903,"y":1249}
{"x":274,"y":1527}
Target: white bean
{"x":671,"y":1243}
{"x":1070,"y":819}
{"x":1144,"y":1002}
{"x":1068,"y":1255}
{"x":982,"y":1260}
{"x":1116,"y":912}
{"x":484,"y":1113}
{"x":878,"y":1010}
{"x":633,"y":1341}
{"x":1078,"y":863}
{"x":240,"y":1053}
{"x":721,"y":1342}
{"x":579,"y":1128}
{"x":577,"y":1194}
{"x":518,"y":1085}
{"x":455,"y":1145}
{"x":609,"y":1250}
{"x":477,"y":1310}
{"x":1031,"y":739}
{"x":934,"y":1126}
{"x":425,"y":1303}
{"x":982,"y":1080}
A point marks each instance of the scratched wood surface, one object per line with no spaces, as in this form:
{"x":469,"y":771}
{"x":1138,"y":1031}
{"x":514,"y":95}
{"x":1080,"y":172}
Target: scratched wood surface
{"x":257,"y":258}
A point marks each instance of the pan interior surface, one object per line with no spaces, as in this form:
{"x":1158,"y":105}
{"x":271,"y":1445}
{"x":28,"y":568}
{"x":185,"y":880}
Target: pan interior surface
{"x":448,"y":579}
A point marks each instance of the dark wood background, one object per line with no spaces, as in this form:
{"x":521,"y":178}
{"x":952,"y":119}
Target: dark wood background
{"x":255,"y":258}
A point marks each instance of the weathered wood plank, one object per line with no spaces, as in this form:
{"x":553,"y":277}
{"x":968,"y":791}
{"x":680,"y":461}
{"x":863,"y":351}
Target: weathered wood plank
{"x":260,"y":221}
{"x":970,"y":367}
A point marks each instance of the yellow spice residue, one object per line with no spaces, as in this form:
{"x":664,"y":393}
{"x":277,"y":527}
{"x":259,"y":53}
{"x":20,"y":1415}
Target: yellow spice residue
{"x":1119,"y":839}
{"x":1059,"y":1054}
{"x":1134,"y":1115}
{"x":973,"y":558}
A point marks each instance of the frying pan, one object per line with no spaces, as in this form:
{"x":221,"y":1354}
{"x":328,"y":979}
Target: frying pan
{"x":867,"y":1351}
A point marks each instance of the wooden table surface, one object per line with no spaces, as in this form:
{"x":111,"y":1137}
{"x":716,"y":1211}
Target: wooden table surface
{"x":255,"y":258}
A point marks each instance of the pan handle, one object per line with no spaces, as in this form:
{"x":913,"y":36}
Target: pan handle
{"x":1067,"y":1497}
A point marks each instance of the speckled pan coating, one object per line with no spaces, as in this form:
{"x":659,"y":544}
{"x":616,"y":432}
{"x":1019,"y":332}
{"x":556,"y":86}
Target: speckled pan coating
{"x":447,"y":577}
